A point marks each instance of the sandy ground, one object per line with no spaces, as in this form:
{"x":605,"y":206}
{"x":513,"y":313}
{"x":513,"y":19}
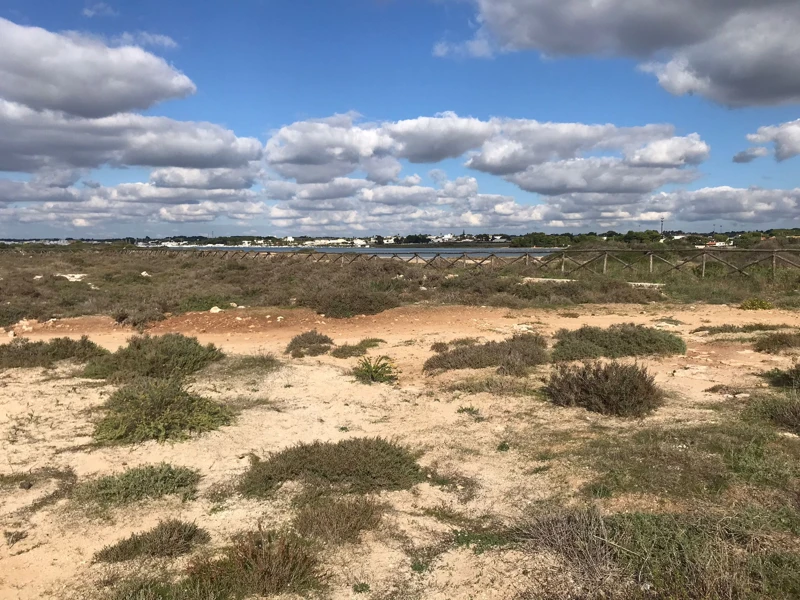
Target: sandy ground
{"x":46,"y":420}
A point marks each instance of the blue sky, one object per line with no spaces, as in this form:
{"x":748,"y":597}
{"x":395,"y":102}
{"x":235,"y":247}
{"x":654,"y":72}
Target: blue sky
{"x":256,"y":66}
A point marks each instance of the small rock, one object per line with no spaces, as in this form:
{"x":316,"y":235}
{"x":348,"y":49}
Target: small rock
{"x":215,"y":309}
{"x":450,"y":276}
{"x":146,"y":274}
{"x":240,"y":307}
{"x":234,"y":305}
{"x":37,"y":277}
{"x":26,"y":485}
{"x":239,"y":319}
{"x":11,"y":334}
{"x":741,"y":395}
{"x":422,"y":288}
{"x":279,"y":319}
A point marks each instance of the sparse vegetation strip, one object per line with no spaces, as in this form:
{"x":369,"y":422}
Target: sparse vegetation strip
{"x":615,"y":342}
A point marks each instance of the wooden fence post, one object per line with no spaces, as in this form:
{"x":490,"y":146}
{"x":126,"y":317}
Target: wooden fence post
{"x":651,"y":263}
{"x":703,"y":275}
{"x":563,"y":262}
{"x":774,"y":265}
{"x":605,"y":263}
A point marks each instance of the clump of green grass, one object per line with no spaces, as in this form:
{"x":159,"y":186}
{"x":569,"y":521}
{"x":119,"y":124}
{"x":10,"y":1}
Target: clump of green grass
{"x":168,"y":539}
{"x":22,"y":353}
{"x":513,"y":356}
{"x":257,"y":564}
{"x":609,"y":389}
{"x":615,"y":342}
{"x":139,"y":483}
{"x":361,"y":588}
{"x":482,"y":539}
{"x":337,"y":520}
{"x":473,"y":412}
{"x":782,"y":410}
{"x":157,"y":409}
{"x":756,"y":303}
{"x":356,"y":465}
{"x":359,"y":349}
{"x":640,"y":555}
{"x":378,"y":370}
{"x":775,"y":343}
{"x":750,"y":328}
{"x":497,"y":386}
{"x":310,"y":343}
{"x":257,"y":363}
{"x":692,"y":462}
{"x":166,"y":356}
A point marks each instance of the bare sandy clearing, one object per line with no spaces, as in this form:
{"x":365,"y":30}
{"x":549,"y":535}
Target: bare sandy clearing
{"x":46,"y":421}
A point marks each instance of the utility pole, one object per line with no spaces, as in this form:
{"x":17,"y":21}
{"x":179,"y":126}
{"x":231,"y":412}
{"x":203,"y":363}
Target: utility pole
{"x":662,"y":227}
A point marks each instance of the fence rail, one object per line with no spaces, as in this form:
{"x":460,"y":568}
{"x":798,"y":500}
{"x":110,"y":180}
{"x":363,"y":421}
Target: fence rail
{"x":701,"y":263}
{"x":562,"y":263}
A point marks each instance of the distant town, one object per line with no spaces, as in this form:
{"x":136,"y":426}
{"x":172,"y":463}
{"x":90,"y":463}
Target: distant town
{"x":732,"y":239}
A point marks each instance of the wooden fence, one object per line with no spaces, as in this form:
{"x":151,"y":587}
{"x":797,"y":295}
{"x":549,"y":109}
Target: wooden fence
{"x":701,"y":263}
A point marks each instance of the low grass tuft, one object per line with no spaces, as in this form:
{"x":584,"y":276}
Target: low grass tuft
{"x":168,"y":539}
{"x":788,"y":378}
{"x":165,"y":356}
{"x":609,"y":389}
{"x":22,"y":353}
{"x":139,"y":483}
{"x":359,"y":349}
{"x":378,"y":370}
{"x":756,"y":304}
{"x":337,"y":520}
{"x":782,"y":410}
{"x":497,"y":386}
{"x":157,"y":409}
{"x":750,"y":328}
{"x":256,"y":363}
{"x":775,"y":343}
{"x":356,"y":465}
{"x":615,"y":342}
{"x":513,"y":356}
{"x":310,"y":343}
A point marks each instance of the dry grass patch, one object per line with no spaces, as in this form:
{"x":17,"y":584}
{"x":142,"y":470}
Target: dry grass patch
{"x":357,"y":465}
{"x":260,"y":364}
{"x":615,"y":342}
{"x":310,"y":343}
{"x":359,"y":349}
{"x":337,"y":520}
{"x":157,"y":409}
{"x":513,"y":356}
{"x":609,"y":389}
{"x":168,"y":539}
{"x":257,"y":564}
{"x":751,"y":328}
{"x":65,"y":479}
{"x":497,"y":386}
{"x":166,"y":356}
{"x":139,"y":483}
{"x":22,"y":353}
{"x":782,"y":410}
{"x":774,"y":343}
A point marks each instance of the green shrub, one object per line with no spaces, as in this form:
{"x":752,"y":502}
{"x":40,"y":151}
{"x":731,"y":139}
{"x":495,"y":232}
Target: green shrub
{"x":343,"y":302}
{"x":515,"y":354}
{"x":337,"y":520}
{"x":166,"y":356}
{"x":756,"y":304}
{"x":378,"y":370}
{"x":357,"y":465}
{"x":789,"y":378}
{"x":610,"y":389}
{"x":359,"y":349}
{"x":139,"y":483}
{"x":157,"y":409}
{"x":615,"y":342}
{"x":203,"y":303}
{"x":775,"y":343}
{"x":22,"y":353}
{"x":311,"y":343}
{"x":168,"y":539}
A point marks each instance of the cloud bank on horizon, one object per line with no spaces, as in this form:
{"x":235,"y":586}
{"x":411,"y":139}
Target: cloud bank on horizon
{"x":74,"y":105}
